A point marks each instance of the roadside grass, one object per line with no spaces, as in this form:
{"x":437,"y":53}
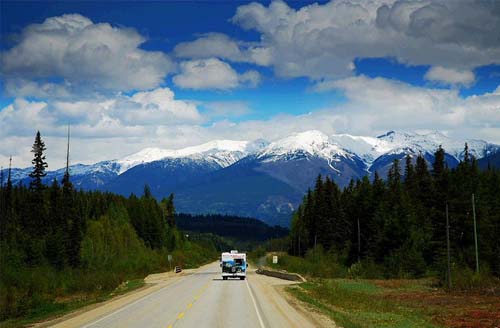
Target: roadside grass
{"x":63,"y":306}
{"x":358,"y":304}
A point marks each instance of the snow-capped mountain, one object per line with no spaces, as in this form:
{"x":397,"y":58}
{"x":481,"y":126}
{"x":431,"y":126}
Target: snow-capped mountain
{"x":258,"y":178}
{"x":309,"y":143}
{"x":311,"y":153}
{"x":222,"y":152}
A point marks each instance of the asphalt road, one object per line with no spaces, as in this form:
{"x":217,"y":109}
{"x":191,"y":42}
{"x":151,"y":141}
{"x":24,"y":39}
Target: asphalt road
{"x":203,"y":299}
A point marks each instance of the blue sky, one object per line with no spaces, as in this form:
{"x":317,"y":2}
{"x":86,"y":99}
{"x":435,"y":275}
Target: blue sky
{"x":173,"y":74}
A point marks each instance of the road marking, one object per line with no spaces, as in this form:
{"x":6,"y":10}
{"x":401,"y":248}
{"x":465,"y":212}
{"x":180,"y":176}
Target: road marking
{"x":255,"y":305}
{"x":190,"y":305}
{"x":130,"y":304}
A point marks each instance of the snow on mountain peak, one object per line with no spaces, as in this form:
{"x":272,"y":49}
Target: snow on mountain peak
{"x":145,"y":155}
{"x":223,"y":152}
{"x":214,"y":145}
{"x":430,"y":142}
{"x":310,"y":142}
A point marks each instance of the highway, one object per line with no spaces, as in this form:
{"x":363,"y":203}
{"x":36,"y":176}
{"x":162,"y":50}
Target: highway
{"x":200,"y":299}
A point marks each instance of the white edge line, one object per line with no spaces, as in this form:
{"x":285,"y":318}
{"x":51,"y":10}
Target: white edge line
{"x":255,"y":305}
{"x":129,"y":305}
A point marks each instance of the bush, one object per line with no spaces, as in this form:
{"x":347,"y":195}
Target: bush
{"x":465,"y":279}
{"x":366,"y":269}
{"x":316,"y":263}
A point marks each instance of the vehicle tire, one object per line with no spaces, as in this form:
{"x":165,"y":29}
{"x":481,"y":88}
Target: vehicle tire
{"x":242,"y":278}
{"x":224,"y":278}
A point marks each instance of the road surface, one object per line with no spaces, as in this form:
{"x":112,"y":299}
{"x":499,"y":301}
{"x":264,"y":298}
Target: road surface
{"x":202,"y":299}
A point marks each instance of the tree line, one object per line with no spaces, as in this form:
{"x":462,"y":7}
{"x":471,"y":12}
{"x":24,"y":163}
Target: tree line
{"x":235,"y":227}
{"x":56,"y":240}
{"x":399,"y":225}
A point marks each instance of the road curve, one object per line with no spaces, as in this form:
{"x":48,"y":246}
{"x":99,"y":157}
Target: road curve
{"x":203,"y":299}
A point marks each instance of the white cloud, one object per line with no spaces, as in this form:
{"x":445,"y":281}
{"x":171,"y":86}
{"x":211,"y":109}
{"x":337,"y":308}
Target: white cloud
{"x":102,"y":124}
{"x":321,"y":41}
{"x":84,"y":54}
{"x":119,"y":126}
{"x":450,"y":76}
{"x":222,"y":46}
{"x":213,"y":73}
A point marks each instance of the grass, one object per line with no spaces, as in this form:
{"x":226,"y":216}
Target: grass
{"x":357,"y":297}
{"x":359,"y":303}
{"x":399,"y":303}
{"x":66,"y":305}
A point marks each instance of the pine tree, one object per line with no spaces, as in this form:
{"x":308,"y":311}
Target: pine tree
{"x":39,"y":164}
{"x":409,"y":173}
{"x":438,"y":167}
{"x":466,"y":154}
{"x":167,"y":205}
{"x":394,"y":178}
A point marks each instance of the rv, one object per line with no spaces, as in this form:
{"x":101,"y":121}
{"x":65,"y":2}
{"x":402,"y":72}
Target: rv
{"x":234,"y":265}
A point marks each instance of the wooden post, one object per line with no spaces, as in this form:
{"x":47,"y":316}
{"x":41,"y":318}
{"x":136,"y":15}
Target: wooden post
{"x":475,"y":233}
{"x":448,"y":246}
{"x":359,"y":242}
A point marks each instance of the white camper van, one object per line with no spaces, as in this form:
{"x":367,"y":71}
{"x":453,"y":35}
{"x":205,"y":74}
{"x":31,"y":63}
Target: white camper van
{"x":234,"y":265}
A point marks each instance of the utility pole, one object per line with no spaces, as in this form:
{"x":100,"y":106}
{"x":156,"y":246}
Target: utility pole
{"x":359,"y":242}
{"x":475,"y":233}
{"x":299,"y":245}
{"x":9,"y":172}
{"x":66,"y":174}
{"x":448,"y":247}
{"x":314,"y":249}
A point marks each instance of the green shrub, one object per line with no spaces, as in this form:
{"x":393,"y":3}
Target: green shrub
{"x":464,"y":278}
{"x":316,"y":263}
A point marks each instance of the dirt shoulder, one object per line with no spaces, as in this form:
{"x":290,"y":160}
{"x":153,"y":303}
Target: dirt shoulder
{"x":90,"y":313}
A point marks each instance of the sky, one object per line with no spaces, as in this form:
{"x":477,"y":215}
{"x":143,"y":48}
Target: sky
{"x":171,"y":74}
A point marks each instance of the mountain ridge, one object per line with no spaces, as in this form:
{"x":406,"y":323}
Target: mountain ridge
{"x":257,"y":178}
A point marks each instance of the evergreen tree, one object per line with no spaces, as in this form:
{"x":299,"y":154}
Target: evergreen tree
{"x":438,"y":167}
{"x":168,"y":209}
{"x":39,"y":164}
{"x":409,"y":173}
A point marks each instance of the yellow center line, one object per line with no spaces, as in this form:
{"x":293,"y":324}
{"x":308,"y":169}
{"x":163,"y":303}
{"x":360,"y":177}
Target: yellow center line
{"x":190,"y":305}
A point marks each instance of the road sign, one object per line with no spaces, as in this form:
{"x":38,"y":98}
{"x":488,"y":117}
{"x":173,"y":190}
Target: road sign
{"x":275,"y":259}
{"x":169,"y":257}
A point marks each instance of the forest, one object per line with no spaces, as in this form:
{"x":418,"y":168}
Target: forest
{"x":397,"y":227}
{"x":234,"y":227}
{"x":57,"y":242}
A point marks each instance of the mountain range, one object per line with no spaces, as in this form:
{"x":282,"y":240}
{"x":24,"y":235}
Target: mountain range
{"x":258,"y":178}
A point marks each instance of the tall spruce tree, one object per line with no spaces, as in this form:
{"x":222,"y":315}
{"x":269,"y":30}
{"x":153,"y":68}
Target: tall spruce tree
{"x":39,"y":164}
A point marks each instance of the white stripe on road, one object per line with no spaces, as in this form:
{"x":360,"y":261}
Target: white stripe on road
{"x":255,"y":305}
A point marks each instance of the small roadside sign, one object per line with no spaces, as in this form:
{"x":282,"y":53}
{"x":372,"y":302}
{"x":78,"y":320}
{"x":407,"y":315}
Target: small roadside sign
{"x":169,"y":257}
{"x":275,"y":259}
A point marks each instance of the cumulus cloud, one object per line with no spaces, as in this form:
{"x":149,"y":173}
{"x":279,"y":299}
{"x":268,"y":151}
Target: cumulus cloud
{"x":449,"y":76}
{"x":222,"y":46}
{"x":84,"y":54}
{"x":372,"y":106}
{"x":102,"y":123}
{"x":321,"y":41}
{"x":213,"y":73}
